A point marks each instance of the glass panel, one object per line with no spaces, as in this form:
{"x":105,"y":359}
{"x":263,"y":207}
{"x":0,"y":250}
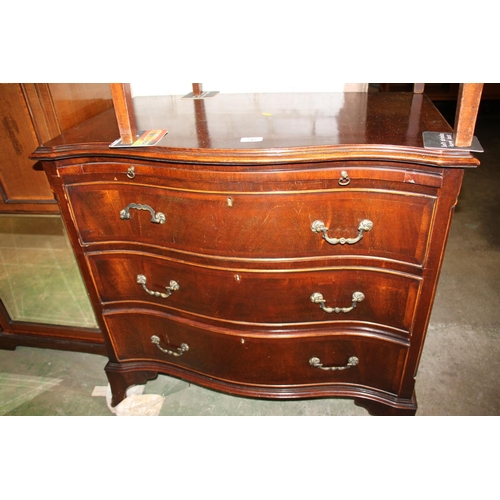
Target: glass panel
{"x":39,"y":279}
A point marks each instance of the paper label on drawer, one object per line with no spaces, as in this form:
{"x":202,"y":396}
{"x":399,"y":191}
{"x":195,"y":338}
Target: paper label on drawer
{"x":251,"y":139}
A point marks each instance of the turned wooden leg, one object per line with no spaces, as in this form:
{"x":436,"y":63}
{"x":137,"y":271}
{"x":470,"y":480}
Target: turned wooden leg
{"x":122,"y":377}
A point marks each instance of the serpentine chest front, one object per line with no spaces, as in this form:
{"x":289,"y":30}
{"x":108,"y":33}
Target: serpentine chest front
{"x":298,"y":273}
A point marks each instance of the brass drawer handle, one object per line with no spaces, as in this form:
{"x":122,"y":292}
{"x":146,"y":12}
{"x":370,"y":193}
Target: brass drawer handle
{"x":317,"y":298}
{"x":180,"y":350}
{"x":318,"y":226}
{"x":157,"y":218}
{"x":316,"y":363}
{"x":141,"y":280}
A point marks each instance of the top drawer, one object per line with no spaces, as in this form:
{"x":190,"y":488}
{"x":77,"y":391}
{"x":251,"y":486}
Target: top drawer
{"x":272,"y":225}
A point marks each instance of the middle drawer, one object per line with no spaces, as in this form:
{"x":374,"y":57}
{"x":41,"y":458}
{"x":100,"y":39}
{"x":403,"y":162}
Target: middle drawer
{"x":276,"y":297}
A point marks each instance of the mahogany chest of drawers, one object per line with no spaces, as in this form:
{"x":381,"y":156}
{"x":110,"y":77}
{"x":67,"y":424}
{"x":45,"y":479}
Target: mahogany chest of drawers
{"x":299,"y":262}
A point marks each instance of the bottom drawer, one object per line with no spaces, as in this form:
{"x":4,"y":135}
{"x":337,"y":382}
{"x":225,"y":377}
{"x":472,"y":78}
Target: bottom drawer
{"x":279,"y":360}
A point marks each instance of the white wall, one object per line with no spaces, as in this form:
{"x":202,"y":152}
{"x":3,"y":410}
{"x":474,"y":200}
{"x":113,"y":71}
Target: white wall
{"x":257,"y":46}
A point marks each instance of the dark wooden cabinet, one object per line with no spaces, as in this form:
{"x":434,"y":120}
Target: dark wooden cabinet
{"x":439,"y":92}
{"x":271,"y":246}
{"x":31,"y":114}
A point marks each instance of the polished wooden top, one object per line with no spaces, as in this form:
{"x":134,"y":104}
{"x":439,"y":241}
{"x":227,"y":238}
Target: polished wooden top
{"x":275,"y":128}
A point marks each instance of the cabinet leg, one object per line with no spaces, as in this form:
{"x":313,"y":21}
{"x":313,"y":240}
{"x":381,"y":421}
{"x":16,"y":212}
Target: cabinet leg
{"x":121,"y":377}
{"x":385,"y":409}
{"x":7,"y":344}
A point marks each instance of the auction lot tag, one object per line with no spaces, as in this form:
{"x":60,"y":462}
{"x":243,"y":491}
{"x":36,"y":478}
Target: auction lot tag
{"x":444,"y":140}
{"x":145,"y":138}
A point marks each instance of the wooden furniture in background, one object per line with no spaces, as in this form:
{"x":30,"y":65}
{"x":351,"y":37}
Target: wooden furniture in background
{"x":439,"y":91}
{"x":32,"y":114}
{"x":67,"y":338}
{"x":122,"y":102}
{"x":287,"y":247}
{"x":469,"y":97}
